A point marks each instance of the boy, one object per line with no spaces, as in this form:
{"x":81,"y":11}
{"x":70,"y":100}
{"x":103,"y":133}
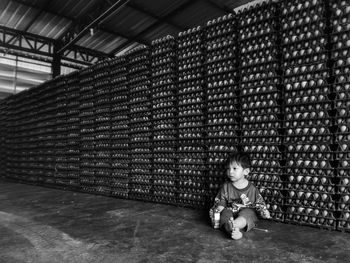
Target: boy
{"x":238,"y":200}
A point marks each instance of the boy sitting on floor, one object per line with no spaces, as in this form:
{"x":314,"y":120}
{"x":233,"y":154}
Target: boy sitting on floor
{"x":238,"y":200}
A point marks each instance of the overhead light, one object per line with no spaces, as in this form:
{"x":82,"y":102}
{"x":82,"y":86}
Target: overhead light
{"x":91,"y":31}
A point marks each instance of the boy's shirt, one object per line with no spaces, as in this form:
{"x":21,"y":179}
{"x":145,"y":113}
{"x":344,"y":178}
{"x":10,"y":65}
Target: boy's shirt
{"x":233,"y":198}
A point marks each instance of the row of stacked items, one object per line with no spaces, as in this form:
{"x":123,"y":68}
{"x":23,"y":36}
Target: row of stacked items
{"x":111,"y":119}
{"x":191,"y":149}
{"x":26,"y":129}
{"x":310,"y":184}
{"x":102,"y":134}
{"x":87,"y":130}
{"x":16,"y":148}
{"x":41,"y":128}
{"x":3,"y":134}
{"x":164,"y":120}
{"x":50,"y":128}
{"x":221,"y":76}
{"x":140,"y":124}
{"x":72,"y":149}
{"x":60,"y":133}
{"x":260,"y":98}
{"x":340,"y":53}
{"x":119,"y":119}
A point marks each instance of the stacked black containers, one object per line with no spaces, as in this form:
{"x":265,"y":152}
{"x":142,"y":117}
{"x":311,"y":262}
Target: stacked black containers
{"x":271,"y":81}
{"x":164,"y":116}
{"x":60,"y":133}
{"x":221,"y":75}
{"x":119,"y":179}
{"x":309,"y":171}
{"x":191,"y":119}
{"x":87,"y":130}
{"x":27,"y":130}
{"x":7,"y":141}
{"x":3,"y":108}
{"x":72,"y":151}
{"x":16,"y":150}
{"x":102,"y":134}
{"x":260,"y":90}
{"x":140,"y":125}
{"x":11,"y":158}
{"x":45,"y":129}
{"x":30,"y":127}
{"x":51,"y":124}
{"x":340,"y":55}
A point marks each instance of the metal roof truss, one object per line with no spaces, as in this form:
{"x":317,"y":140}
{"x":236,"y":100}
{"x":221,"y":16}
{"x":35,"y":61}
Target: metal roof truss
{"x":11,"y":39}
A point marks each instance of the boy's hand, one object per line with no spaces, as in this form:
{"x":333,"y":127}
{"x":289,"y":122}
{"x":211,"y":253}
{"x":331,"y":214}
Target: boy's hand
{"x":267,"y":214}
{"x":220,"y":208}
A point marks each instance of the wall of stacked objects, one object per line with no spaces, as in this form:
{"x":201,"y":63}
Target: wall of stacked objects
{"x":159,"y":123}
{"x":2,"y":138}
{"x":308,"y":114}
{"x":261,"y":101}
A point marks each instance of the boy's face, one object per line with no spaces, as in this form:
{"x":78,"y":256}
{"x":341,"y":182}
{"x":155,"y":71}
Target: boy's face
{"x":236,"y":172}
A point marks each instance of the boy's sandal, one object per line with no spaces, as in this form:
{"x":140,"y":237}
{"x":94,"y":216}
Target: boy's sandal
{"x":236,"y":233}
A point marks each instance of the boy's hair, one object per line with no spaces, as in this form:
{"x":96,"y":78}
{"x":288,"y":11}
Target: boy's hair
{"x":239,"y":158}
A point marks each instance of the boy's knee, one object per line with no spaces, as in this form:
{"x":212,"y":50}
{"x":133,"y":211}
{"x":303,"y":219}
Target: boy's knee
{"x":249,"y":217}
{"x":226,"y":213}
{"x":225,"y":216}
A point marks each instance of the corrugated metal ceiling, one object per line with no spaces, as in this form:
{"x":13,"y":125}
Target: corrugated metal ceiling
{"x":197,"y":14}
{"x":51,"y":26}
{"x":128,"y":21}
{"x":161,"y":8}
{"x":137,"y":22}
{"x":93,"y":42}
{"x":72,"y":9}
{"x":52,"y":18}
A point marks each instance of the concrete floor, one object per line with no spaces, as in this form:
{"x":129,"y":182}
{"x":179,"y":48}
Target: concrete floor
{"x":48,"y":225}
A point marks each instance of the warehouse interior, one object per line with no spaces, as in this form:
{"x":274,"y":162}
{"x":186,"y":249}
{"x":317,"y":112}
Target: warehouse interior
{"x":117,"y":119}
{"x":47,"y":38}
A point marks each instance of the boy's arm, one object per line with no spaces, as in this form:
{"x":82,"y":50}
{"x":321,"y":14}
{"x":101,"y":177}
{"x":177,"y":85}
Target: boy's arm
{"x":261,"y":206}
{"x":219,"y":205}
{"x":221,"y":198}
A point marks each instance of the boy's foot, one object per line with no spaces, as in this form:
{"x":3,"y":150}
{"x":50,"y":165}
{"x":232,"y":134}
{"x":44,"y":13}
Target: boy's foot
{"x":236,"y":233}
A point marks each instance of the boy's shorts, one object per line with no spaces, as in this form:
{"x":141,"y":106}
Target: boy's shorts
{"x":248,"y":213}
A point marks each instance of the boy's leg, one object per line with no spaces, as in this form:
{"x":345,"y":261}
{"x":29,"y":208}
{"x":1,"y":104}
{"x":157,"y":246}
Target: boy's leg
{"x":249,"y":216}
{"x":245,"y":221}
{"x":240,"y":222}
{"x":225,"y":217}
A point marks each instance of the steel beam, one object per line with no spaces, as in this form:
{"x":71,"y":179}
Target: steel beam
{"x":19,"y":42}
{"x":56,"y":62}
{"x":84,"y":56}
{"x":78,"y":30}
{"x":24,"y":41}
{"x":77,"y":25}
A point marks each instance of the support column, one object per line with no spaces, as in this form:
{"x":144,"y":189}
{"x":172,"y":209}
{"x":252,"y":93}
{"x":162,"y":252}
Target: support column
{"x":56,"y":61}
